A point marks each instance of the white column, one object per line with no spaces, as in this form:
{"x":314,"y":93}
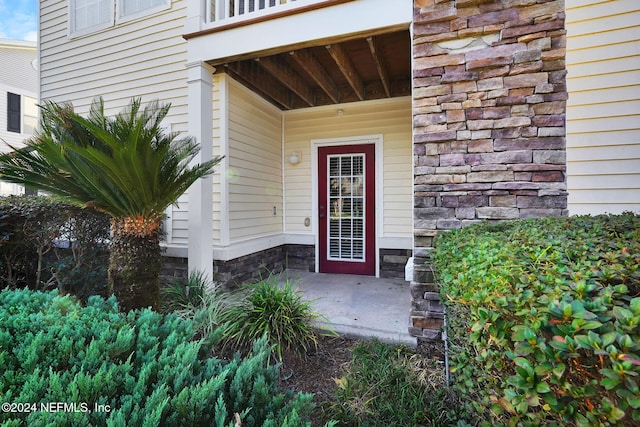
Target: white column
{"x":200,"y":113}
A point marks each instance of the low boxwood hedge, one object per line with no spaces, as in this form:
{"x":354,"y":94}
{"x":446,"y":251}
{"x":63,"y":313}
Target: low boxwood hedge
{"x":543,"y":319}
{"x":61,"y":361}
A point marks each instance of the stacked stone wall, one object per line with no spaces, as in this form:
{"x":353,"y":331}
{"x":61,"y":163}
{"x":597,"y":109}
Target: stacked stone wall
{"x":489,"y":101}
{"x":300,"y":257}
{"x":249,"y":268}
{"x":393,"y":262}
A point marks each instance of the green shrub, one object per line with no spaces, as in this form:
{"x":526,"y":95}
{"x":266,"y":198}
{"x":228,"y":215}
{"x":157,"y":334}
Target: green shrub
{"x":544,"y":319}
{"x":198,"y":299}
{"x":391,"y":385}
{"x":47,"y":243}
{"x":141,"y":366}
{"x":276,"y":311}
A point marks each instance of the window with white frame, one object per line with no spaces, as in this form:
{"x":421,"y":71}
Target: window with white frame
{"x":130,"y":9}
{"x":22,"y":114}
{"x":90,"y":15}
{"x":86,"y":16}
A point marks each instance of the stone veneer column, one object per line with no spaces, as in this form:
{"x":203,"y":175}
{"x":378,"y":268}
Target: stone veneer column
{"x":489,"y":98}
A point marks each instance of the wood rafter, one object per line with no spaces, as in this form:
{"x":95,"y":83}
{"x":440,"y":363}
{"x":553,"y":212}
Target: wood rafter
{"x":249,"y":73}
{"x":382,"y":71}
{"x":348,"y":70}
{"x":361,"y":67}
{"x":315,"y":70}
{"x":288,"y":77}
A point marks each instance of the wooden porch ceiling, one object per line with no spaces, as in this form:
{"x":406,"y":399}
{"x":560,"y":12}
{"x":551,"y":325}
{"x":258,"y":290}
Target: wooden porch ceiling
{"x":365,"y":68}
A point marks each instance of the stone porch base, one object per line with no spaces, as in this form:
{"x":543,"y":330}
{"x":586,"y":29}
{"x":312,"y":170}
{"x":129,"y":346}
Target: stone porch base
{"x":252,"y":267}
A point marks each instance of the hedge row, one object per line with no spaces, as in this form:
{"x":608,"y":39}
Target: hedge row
{"x":46,"y":243}
{"x":138,"y":368}
{"x":543,"y":319}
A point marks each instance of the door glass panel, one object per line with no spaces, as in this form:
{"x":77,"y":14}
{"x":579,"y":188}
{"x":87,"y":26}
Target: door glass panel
{"x":346,"y":207}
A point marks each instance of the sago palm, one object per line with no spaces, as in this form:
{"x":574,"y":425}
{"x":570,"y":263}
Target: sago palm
{"x":126,"y":166}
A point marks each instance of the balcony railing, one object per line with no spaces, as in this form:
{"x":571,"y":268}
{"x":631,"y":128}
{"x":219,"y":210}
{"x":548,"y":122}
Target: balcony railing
{"x":221,"y":12}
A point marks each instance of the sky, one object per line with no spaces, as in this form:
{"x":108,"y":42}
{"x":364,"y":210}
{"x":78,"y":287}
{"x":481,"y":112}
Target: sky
{"x":19,"y":19}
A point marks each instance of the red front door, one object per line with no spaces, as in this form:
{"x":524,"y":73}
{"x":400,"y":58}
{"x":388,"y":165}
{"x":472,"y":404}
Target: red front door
{"x":346,"y":209}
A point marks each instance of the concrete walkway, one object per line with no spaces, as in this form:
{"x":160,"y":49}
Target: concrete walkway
{"x":358,"y":306}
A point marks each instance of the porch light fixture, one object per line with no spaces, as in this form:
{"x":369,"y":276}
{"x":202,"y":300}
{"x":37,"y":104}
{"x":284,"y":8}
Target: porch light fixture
{"x":294,"y":158}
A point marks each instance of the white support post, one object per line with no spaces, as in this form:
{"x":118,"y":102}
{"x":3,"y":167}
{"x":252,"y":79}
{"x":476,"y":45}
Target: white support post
{"x":200,"y":113}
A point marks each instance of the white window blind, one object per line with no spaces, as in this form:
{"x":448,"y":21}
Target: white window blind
{"x":133,"y":7}
{"x":87,"y":15}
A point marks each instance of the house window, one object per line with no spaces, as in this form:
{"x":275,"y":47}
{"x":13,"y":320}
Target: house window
{"x":134,"y":8}
{"x":86,"y":16}
{"x":22,"y":114}
{"x":30,"y":115}
{"x":13,"y":112}
{"x":90,"y":15}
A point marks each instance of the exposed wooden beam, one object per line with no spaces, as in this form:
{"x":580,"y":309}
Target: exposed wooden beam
{"x":382,"y":71}
{"x":288,"y":77}
{"x":251,"y":74}
{"x":317,"y":72}
{"x":348,"y":70}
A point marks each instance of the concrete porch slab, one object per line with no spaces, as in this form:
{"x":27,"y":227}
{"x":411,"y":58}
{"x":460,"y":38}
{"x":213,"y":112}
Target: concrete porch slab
{"x":358,"y":306}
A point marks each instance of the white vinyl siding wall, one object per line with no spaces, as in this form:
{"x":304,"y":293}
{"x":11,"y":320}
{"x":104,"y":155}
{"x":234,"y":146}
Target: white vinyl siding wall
{"x":254,"y":171}
{"x":603,"y":111}
{"x":389,"y":118}
{"x":15,"y":139}
{"x":140,"y":58}
{"x":17,"y":76}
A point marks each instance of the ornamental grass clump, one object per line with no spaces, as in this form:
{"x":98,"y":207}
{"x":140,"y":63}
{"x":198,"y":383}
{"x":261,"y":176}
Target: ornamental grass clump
{"x":276,"y":311}
{"x":139,"y":368}
{"x":200,"y":300}
{"x":543,"y":318}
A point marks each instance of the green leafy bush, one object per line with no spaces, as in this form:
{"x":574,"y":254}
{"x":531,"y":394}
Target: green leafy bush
{"x":391,"y":385}
{"x":276,"y":311}
{"x":544,"y":319}
{"x":47,"y":243}
{"x":141,"y":367}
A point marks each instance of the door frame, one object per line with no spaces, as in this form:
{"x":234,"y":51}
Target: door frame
{"x":377,"y":141}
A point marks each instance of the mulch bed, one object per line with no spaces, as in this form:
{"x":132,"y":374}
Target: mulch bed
{"x":316,"y":373}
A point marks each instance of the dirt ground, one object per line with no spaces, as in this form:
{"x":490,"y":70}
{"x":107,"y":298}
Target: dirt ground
{"x":316,"y":374}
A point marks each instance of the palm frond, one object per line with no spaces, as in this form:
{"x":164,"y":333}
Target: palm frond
{"x":125,"y":165}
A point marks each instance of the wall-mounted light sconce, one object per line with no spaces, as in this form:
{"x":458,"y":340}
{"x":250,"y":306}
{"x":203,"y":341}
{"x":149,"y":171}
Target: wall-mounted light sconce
{"x":294,"y":158}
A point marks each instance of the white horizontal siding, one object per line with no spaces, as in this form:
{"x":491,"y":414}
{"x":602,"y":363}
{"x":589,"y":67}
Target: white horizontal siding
{"x":391,"y":119}
{"x":17,"y":68}
{"x":7,"y":138}
{"x":141,"y":58}
{"x":254,"y":171}
{"x":18,"y":76}
{"x":603,"y":111}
